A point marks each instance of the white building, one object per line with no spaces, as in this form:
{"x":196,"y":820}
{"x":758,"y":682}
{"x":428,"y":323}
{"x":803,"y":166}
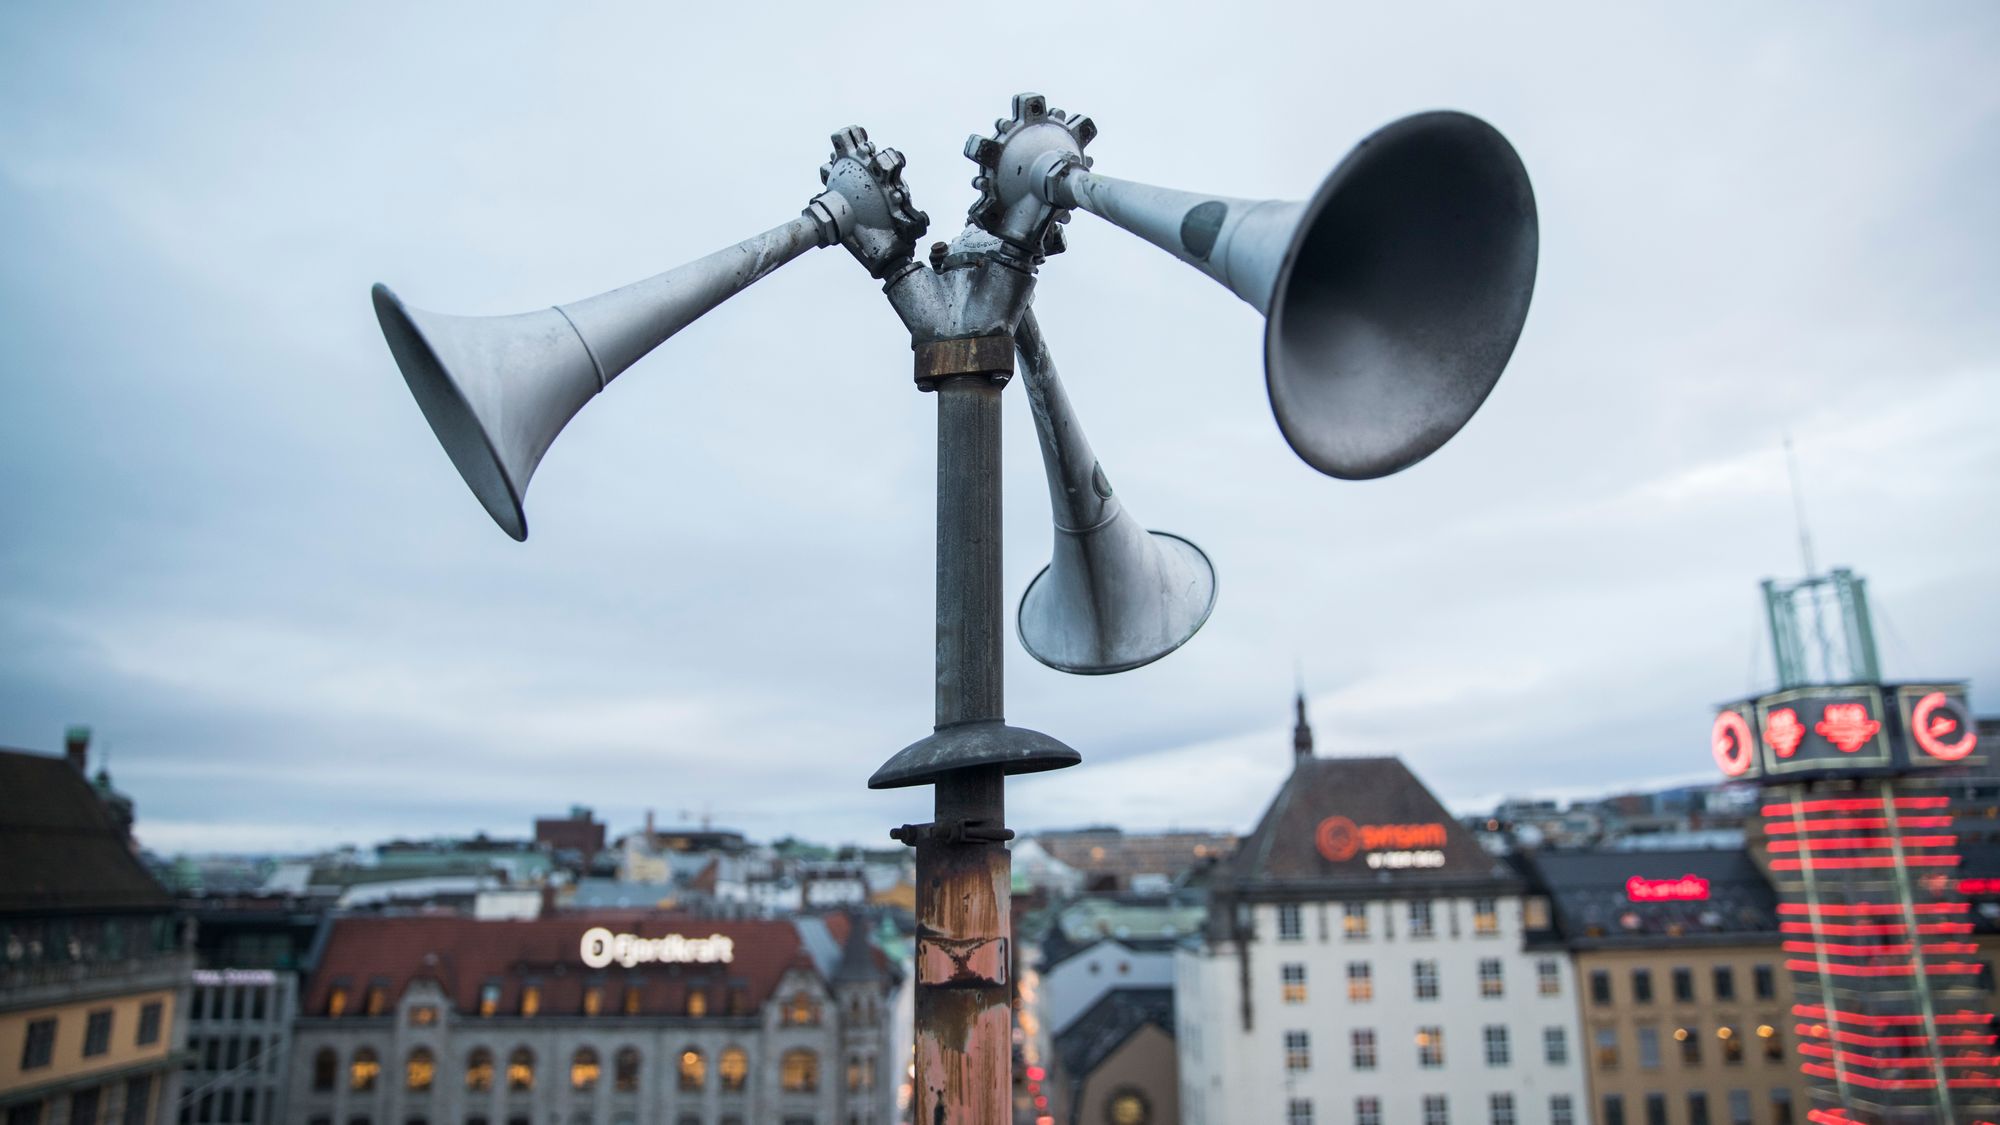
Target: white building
{"x":1363,"y":965}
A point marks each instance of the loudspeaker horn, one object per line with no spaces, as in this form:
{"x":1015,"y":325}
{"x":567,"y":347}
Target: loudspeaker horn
{"x":1114,"y":595}
{"x":1393,"y":297}
{"x":498,"y":389}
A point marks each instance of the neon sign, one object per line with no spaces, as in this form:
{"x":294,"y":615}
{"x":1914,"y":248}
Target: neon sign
{"x":1784,"y":732}
{"x":1979,"y":886}
{"x":600,"y":947}
{"x":1732,"y":743}
{"x":1936,"y":718}
{"x":1847,"y":726}
{"x":1687,"y":888}
{"x":1340,"y":839}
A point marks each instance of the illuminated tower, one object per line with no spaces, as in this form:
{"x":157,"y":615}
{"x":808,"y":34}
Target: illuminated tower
{"x":1892,"y":1019}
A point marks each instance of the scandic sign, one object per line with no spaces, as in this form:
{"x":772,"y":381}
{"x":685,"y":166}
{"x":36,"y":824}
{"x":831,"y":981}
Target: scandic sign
{"x":1340,"y":839}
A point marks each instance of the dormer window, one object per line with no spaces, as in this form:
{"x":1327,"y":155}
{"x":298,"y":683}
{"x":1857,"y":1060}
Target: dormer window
{"x":697,"y":1003}
{"x":531,"y":999}
{"x":801,"y":1011}
{"x":489,"y":998}
{"x":336,"y":1001}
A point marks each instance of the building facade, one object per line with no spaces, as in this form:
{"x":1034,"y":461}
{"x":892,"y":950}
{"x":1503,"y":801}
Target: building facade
{"x":251,"y":952}
{"x":626,"y":1019}
{"x":93,"y":968}
{"x":1365,"y":964}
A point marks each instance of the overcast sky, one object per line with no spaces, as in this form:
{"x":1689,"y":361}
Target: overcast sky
{"x":229,"y":543}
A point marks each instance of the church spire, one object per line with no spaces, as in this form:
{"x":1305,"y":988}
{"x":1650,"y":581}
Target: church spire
{"x":1302,"y":732}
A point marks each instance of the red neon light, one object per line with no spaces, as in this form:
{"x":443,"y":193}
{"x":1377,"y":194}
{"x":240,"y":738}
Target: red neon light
{"x":1856,"y":1058}
{"x":1732,"y":743}
{"x":1880,"y":929}
{"x":1687,"y":888}
{"x":1839,"y":863}
{"x":1941,"y":969}
{"x":1842,"y":823}
{"x":1816,"y":1011}
{"x":1847,"y":725}
{"x":1854,"y":804}
{"x":1892,"y":949}
{"x":1784,"y":732}
{"x":1830,"y":843}
{"x":1834,"y":909}
{"x":1930,"y":729}
{"x":1979,"y":887}
{"x":1820,"y":1031}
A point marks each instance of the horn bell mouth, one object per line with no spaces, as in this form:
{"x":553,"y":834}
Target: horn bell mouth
{"x":1402,"y":295}
{"x":452,"y":418}
{"x":1098,"y":620}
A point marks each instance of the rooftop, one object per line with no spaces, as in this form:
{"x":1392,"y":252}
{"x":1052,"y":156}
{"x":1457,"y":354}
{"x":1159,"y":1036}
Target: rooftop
{"x":64,"y":849}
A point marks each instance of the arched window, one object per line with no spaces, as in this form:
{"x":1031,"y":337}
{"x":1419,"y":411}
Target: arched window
{"x":326,"y":1064}
{"x":420,"y":1069}
{"x":583,"y":1069}
{"x":798,"y":1070}
{"x":521,"y":1069}
{"x":734,"y":1067}
{"x":362,"y":1072}
{"x":801,"y":1010}
{"x":626,"y":1074}
{"x":694,"y":1070}
{"x":479,"y":1070}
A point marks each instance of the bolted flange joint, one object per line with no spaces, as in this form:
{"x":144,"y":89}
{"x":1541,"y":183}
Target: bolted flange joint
{"x":988,"y":356}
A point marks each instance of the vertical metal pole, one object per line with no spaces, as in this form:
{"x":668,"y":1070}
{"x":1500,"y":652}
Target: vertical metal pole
{"x":964,"y":1018}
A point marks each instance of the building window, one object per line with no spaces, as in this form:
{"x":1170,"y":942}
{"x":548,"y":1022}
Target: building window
{"x":583,"y":1069}
{"x":363,"y":1070}
{"x":479,"y":1070}
{"x":1354,"y":920}
{"x":1497,"y":1050}
{"x":149,"y":1023}
{"x":138,"y":1100}
{"x":1683,"y":985}
{"x":697,"y":1003}
{"x":1435,"y":1112}
{"x":625,"y":1070}
{"x":1656,"y":1109}
{"x":1649,"y":1047}
{"x":1732,"y":1045}
{"x":1360,"y":982}
{"x":1555,"y":1046}
{"x":1430,"y":1047}
{"x":83,"y":1106}
{"x":1367,"y":1111}
{"x":1500,"y":1109}
{"x":1642,"y":986}
{"x":420,"y":1070}
{"x":489,"y":998}
{"x":1614,"y":1110}
{"x":374,"y":1004}
{"x":1607,"y":1048}
{"x":1739,"y":1107}
{"x":1697,"y":1108}
{"x":531,"y":999}
{"x":1485,"y":917}
{"x":1774,"y":1043}
{"x":1725,"y":983}
{"x":694,"y":1070}
{"x":1548,"y":977}
{"x":1290,"y":925}
{"x":1690,"y":1046}
{"x":1422,"y":921}
{"x":801,"y":1011}
{"x":798,"y":1071}
{"x":734,"y":1068}
{"x":1781,"y":1106}
{"x":1426,"y":973}
{"x":326,"y":1065}
{"x":1535,"y":913}
{"x":1491,"y":984}
{"x":1298,"y":1111}
{"x":1292,"y":983}
{"x":1600,"y":987}
{"x":1298,"y":1051}
{"x":423,"y":1015}
{"x":257,"y":1003}
{"x":1764,"y":982}
{"x":336,"y":1001}
{"x":593,"y":1000}
{"x":521,"y":1069}
{"x":1561,"y":1110}
{"x":1128,"y":1107}
{"x":1364,"y":1048}
{"x":39,"y":1047}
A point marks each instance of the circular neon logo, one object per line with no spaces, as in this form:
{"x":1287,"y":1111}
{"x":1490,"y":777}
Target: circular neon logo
{"x":1338,"y":838}
{"x":1939,"y":725}
{"x":1732,"y":743}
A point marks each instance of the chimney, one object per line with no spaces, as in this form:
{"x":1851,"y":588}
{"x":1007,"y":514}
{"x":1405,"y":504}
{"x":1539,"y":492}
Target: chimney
{"x":76,"y":746}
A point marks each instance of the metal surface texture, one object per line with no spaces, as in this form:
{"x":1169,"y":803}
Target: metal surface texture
{"x":1394,"y":296}
{"x":1114,"y":595}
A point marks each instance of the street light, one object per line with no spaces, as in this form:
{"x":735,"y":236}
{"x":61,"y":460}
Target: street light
{"x":1393,"y":298}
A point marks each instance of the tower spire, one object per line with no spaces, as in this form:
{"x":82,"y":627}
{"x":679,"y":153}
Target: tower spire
{"x":1302,"y":732}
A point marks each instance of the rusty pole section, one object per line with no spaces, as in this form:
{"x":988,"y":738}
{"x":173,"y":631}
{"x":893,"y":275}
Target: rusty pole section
{"x":964,"y":1017}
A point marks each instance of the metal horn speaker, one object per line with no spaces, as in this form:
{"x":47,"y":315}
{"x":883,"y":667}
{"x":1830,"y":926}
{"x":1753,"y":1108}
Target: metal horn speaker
{"x":498,"y":389}
{"x":1114,"y":596}
{"x":1393,"y":297}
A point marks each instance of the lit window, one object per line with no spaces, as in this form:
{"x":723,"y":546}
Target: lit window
{"x":1291,"y":927}
{"x":734,"y":1068}
{"x":521,"y":1069}
{"x":1491,"y":983}
{"x":419,"y":1070}
{"x":1548,"y":977}
{"x":1555,"y":1046}
{"x":1298,"y":1051}
{"x":1367,"y":1111}
{"x":583,"y":1069}
{"x":626,"y":1071}
{"x":1128,"y":1107}
{"x":479,"y":1070}
{"x":593,"y":1000}
{"x":1293,"y":983}
{"x":1422,"y":922}
{"x":362,"y":1072}
{"x":631,"y":1003}
{"x":1500,"y":1109}
{"x":531,"y":999}
{"x":798,"y":1071}
{"x":697,"y":1003}
{"x":1732,"y":1045}
{"x":336,"y":1002}
{"x":1485,"y":917}
{"x":856,"y":1070}
{"x":423,"y":1015}
{"x":1498,"y":1053}
{"x":1435,"y":1112}
{"x":1607,"y":1048}
{"x":1360,"y":982}
{"x":1363,"y":1041}
{"x":801,"y":1011}
{"x":1535,"y":913}
{"x":694,"y":1070}
{"x":1690,"y":1046}
{"x":1430,"y":1047}
{"x":1774,"y":1043}
{"x":1426,"y":974}
{"x":377,"y":1000}
{"x":489,"y":998}
{"x":1354,"y":920}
